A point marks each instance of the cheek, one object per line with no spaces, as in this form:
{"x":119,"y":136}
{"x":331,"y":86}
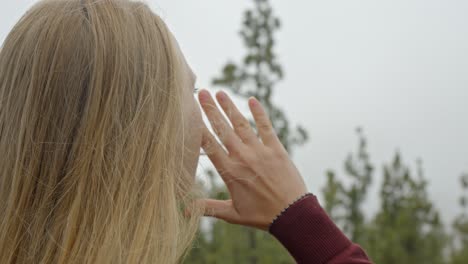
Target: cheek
{"x":195,"y":122}
{"x":193,"y":137}
{"x":198,"y":121}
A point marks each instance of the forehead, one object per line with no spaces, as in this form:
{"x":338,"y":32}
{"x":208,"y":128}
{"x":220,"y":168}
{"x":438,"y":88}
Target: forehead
{"x":181,"y":56}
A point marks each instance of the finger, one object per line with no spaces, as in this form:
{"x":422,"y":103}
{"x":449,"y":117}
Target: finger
{"x":264,"y":126}
{"x":218,"y":122}
{"x":239,"y":122}
{"x":215,"y":153}
{"x":221,"y":209}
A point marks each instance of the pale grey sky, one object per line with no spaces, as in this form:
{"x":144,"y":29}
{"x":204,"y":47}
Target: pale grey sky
{"x":397,"y":68}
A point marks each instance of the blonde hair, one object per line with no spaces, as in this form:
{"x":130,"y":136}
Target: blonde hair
{"x":92,"y":138}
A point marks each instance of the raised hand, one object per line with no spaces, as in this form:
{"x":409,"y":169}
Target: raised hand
{"x":260,"y":177}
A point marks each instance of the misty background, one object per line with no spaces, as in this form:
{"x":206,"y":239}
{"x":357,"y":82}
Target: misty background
{"x":398,"y":69}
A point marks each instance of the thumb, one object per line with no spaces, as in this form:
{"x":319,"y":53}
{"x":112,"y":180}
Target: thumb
{"x":221,"y":209}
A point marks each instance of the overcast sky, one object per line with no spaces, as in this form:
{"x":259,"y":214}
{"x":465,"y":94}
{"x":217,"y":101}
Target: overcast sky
{"x":398,"y":68}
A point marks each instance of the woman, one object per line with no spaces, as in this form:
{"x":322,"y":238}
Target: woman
{"x":99,"y":142}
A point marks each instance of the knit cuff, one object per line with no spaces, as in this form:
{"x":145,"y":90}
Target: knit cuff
{"x":307,"y":232}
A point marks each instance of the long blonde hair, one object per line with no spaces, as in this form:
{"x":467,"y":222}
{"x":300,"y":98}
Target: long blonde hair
{"x":92,"y":138}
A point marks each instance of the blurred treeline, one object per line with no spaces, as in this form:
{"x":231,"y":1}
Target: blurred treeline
{"x":407,"y":228}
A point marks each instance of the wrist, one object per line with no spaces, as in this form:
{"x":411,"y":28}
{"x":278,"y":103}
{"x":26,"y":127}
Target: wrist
{"x":286,"y":208}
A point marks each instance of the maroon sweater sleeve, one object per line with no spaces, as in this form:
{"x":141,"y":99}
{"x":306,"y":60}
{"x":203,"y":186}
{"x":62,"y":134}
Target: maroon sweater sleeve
{"x":310,"y":236}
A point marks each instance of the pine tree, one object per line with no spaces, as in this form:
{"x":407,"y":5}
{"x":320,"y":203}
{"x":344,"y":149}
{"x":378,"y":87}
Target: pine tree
{"x":344,"y":203}
{"x":407,"y":229}
{"x":459,"y":252}
{"x":257,"y":76}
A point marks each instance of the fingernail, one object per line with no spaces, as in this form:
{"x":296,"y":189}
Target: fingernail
{"x":203,"y":95}
{"x":253,"y":102}
{"x":221,"y":96}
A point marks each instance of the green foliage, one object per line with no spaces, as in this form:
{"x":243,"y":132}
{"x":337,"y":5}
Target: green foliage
{"x":260,"y":70}
{"x":256,"y":75}
{"x":407,"y":220}
{"x":406,"y":229}
{"x":460,"y":226}
{"x":344,"y":204}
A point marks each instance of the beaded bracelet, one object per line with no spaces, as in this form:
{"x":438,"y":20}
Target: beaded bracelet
{"x":284,"y":210}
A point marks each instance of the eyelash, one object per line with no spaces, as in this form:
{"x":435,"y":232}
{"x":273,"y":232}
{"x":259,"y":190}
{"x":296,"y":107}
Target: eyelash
{"x":196,"y":90}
